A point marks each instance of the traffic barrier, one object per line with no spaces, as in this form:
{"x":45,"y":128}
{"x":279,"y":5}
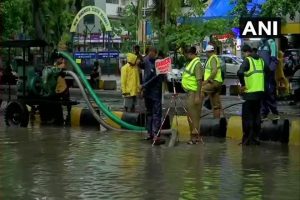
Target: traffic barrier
{"x":234,"y":128}
{"x":112,"y":123}
{"x":110,"y":85}
{"x":180,"y":123}
{"x":213,"y":127}
{"x":234,"y":90}
{"x":101,"y":84}
{"x":294,"y":138}
{"x":83,"y":117}
{"x":223,"y":90}
{"x":138,"y":119}
{"x":208,"y":127}
{"x":277,"y":131}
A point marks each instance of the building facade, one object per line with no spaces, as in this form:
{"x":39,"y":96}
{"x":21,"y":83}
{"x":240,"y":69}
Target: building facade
{"x":90,"y":35}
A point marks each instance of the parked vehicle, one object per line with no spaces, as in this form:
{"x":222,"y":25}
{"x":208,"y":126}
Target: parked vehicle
{"x":232,"y":63}
{"x":176,"y":74}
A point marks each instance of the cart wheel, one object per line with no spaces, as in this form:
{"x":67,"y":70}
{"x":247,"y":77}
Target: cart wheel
{"x":16,"y":114}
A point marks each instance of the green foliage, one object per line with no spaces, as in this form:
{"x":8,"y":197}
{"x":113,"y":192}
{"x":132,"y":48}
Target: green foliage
{"x":128,"y":25}
{"x":55,"y":18}
{"x":171,"y":35}
{"x":14,"y":14}
{"x":279,"y":8}
{"x":271,"y":8}
{"x":49,"y":20}
{"x":189,"y":34}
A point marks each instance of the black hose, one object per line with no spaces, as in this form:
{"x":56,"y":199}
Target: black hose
{"x":229,"y":106}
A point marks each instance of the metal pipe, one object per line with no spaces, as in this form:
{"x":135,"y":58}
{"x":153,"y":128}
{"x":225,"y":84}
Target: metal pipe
{"x":94,"y":112}
{"x":92,"y":109}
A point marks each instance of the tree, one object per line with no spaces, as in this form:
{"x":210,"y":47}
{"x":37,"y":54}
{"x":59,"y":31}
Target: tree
{"x":51,"y":19}
{"x":271,"y":8}
{"x":48,"y":20}
{"x":14,"y":16}
{"x":129,"y":23}
{"x":281,"y":8}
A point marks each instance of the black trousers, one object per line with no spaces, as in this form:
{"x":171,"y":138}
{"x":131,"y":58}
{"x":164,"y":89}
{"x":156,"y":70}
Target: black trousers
{"x":251,"y":120}
{"x":269,"y":103}
{"x":154,"y":115}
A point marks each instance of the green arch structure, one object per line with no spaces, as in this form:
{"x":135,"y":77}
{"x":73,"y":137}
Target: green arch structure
{"x":91,"y":10}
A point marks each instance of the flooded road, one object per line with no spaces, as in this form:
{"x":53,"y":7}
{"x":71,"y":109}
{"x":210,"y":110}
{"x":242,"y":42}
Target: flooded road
{"x":67,"y":163}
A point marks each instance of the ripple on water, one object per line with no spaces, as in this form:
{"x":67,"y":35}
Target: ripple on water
{"x":65,"y":163}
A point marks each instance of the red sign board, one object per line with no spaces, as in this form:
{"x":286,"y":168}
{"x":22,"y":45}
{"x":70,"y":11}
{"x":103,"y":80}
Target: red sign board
{"x":223,"y":37}
{"x":163,"y":66}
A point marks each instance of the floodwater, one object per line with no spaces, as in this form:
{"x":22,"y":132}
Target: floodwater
{"x":67,"y":163}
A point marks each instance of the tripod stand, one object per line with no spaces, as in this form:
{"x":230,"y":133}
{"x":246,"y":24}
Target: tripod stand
{"x":174,"y":100}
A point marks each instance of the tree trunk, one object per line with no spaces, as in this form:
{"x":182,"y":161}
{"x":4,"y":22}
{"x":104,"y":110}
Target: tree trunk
{"x":39,"y":32}
{"x":78,"y":5}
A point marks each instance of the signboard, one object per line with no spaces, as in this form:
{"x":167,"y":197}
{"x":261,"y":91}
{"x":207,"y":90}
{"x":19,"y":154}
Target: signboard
{"x":91,"y":10}
{"x":85,"y":55}
{"x":81,"y":39}
{"x":163,"y":66}
{"x":78,"y":61}
{"x":94,"y":55}
{"x":108,"y":54}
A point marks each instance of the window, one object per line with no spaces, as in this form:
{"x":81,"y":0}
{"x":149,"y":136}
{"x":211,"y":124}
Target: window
{"x":124,"y":2}
{"x":112,"y":1}
{"x":89,"y":19}
{"x":228,"y":60}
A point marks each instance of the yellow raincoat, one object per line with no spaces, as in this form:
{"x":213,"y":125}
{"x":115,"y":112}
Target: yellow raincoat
{"x":282,"y":82}
{"x":130,"y":78}
{"x":61,"y":84}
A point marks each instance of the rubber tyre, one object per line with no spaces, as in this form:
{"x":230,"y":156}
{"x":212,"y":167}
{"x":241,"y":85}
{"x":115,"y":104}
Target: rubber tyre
{"x":16,"y":114}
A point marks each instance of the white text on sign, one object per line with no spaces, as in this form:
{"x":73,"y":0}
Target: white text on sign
{"x":163,"y":66}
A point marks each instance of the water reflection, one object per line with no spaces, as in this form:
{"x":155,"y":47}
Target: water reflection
{"x":55,"y":163}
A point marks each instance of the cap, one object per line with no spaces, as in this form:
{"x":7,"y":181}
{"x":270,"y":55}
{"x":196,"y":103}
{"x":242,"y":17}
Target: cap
{"x":209,"y":48}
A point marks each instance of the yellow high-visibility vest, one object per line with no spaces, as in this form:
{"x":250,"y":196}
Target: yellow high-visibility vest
{"x":189,"y":81}
{"x":208,"y":69}
{"x":254,"y":77}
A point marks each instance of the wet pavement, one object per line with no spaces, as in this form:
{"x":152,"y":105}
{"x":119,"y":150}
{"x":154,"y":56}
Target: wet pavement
{"x":68,"y":163}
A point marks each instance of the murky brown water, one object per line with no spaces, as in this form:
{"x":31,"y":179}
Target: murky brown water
{"x":55,"y":163}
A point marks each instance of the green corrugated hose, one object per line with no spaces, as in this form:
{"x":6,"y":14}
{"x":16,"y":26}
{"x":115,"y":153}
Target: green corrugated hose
{"x":99,"y":103}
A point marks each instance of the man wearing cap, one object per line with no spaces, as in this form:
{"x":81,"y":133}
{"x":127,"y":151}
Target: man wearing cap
{"x":212,"y":84}
{"x":252,"y":78}
{"x":191,"y":83}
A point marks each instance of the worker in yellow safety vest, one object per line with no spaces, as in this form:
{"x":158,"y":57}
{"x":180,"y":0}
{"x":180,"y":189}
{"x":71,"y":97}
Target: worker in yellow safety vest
{"x":212,"y":84}
{"x":252,"y":78}
{"x":191,"y":83}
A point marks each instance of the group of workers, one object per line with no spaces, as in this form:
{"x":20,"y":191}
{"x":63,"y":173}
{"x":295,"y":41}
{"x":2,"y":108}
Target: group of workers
{"x":256,"y":76}
{"x":148,"y":86}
